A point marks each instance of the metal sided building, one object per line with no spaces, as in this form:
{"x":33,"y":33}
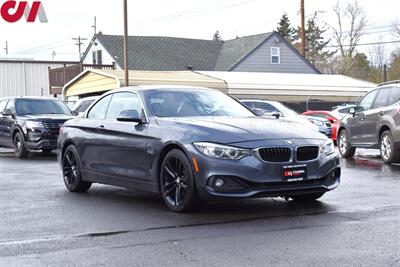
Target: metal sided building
{"x":23,"y":77}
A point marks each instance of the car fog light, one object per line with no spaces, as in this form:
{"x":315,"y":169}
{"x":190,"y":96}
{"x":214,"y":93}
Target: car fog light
{"x":219,"y":183}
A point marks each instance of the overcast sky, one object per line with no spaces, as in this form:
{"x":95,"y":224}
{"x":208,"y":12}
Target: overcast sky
{"x":178,"y":18}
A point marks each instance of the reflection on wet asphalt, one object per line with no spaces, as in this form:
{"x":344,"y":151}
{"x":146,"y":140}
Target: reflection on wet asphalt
{"x":42,"y":224}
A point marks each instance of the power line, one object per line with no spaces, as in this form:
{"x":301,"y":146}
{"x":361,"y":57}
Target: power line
{"x":366,"y":44}
{"x":79,"y":43}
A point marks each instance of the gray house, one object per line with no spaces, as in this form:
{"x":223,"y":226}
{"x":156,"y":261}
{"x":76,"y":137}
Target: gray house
{"x":267,"y":52}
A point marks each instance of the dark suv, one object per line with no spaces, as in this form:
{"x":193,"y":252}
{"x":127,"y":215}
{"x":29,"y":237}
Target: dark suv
{"x":31,"y":123}
{"x":374,"y":123}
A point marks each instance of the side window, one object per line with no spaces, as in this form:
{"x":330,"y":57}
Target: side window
{"x":383,"y":99}
{"x":121,"y":102}
{"x":266,"y":107}
{"x":319,"y":115}
{"x":3,"y":105}
{"x":394,"y":96}
{"x":10,"y":106}
{"x":367,"y":101}
{"x":99,"y":110}
{"x":275,"y":55}
{"x":250,"y":105}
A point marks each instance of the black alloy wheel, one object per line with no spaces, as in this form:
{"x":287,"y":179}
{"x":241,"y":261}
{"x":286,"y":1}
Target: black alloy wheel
{"x":19,"y":146}
{"x":177,"y":182}
{"x":71,"y":167}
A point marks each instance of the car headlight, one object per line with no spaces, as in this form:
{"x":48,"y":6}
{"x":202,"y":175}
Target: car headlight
{"x":221,"y":151}
{"x":318,"y":123}
{"x":328,"y":148}
{"x":33,"y":124}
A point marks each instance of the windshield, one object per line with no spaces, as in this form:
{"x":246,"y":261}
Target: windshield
{"x":180,"y":103}
{"x":40,"y":106}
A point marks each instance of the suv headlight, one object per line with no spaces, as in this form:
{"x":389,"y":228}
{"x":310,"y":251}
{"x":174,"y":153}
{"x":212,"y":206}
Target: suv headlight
{"x":328,"y":148}
{"x":33,"y":124}
{"x":221,"y":151}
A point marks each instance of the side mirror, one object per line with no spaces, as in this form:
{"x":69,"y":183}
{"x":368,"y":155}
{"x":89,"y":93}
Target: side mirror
{"x":7,"y":113}
{"x":352,"y":110}
{"x":276,"y":114}
{"x":129,"y":115}
{"x":258,"y":112}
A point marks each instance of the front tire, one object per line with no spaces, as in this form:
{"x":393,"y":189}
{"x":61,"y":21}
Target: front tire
{"x":72,"y":171}
{"x":177,"y":184}
{"x":308,"y":198}
{"x":388,"y":152}
{"x":19,"y":146}
{"x":345,"y":148}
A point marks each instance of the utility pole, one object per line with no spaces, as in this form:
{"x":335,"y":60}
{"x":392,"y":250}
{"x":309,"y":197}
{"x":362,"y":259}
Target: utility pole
{"x":79,"y":44}
{"x":126,"y":42}
{"x":95,"y":26}
{"x":6,"y":48}
{"x":303,"y":34}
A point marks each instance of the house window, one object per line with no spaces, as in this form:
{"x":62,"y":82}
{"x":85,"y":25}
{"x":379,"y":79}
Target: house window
{"x":275,"y":55}
{"x":97,"y":57}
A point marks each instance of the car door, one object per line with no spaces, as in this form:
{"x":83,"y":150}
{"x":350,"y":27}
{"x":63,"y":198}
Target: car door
{"x":121,"y":146}
{"x":8,"y":122}
{"x":90,"y":132}
{"x":3,"y":126}
{"x":374,"y":117}
{"x":361,"y":126}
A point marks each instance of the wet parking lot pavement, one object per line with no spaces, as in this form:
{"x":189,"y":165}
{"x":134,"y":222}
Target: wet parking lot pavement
{"x":41,"y":224}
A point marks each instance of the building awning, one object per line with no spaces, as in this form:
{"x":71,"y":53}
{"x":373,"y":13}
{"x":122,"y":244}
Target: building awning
{"x":99,"y":81}
{"x":291,"y":87}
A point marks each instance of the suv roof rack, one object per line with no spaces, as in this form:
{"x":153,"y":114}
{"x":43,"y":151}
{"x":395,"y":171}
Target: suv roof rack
{"x":389,"y":82}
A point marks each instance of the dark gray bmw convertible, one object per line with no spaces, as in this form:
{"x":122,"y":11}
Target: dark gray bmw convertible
{"x":191,"y":144}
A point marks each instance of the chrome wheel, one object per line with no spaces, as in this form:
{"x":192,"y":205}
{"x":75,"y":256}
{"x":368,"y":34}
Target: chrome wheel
{"x":386,"y":147}
{"x":343,"y":143}
{"x":174,"y":181}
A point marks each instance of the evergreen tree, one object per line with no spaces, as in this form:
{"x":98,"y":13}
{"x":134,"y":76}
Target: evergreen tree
{"x":315,"y":42}
{"x":285,"y":29}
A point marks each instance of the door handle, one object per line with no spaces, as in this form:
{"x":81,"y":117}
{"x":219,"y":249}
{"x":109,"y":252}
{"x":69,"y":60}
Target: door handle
{"x":101,"y":127}
{"x":380,"y":113}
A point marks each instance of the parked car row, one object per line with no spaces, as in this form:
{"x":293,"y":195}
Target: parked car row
{"x":193,"y":144}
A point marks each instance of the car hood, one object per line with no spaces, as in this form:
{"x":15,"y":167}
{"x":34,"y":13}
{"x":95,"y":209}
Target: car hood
{"x":235,"y":130}
{"x":40,"y":117}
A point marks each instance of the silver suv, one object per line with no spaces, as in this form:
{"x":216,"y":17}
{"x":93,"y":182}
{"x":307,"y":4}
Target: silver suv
{"x":374,"y":123}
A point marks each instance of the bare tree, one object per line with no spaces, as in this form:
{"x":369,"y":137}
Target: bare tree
{"x":377,"y":55}
{"x":354,"y":17}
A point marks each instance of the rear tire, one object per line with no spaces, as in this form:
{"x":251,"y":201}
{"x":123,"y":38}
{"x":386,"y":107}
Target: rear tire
{"x":19,"y":146}
{"x":308,"y":198}
{"x":72,"y":171}
{"x":177,"y":183}
{"x":387,"y":149}
{"x":345,"y":148}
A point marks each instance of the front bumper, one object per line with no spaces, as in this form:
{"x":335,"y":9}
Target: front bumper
{"x":251,"y":177}
{"x":41,"y":139}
